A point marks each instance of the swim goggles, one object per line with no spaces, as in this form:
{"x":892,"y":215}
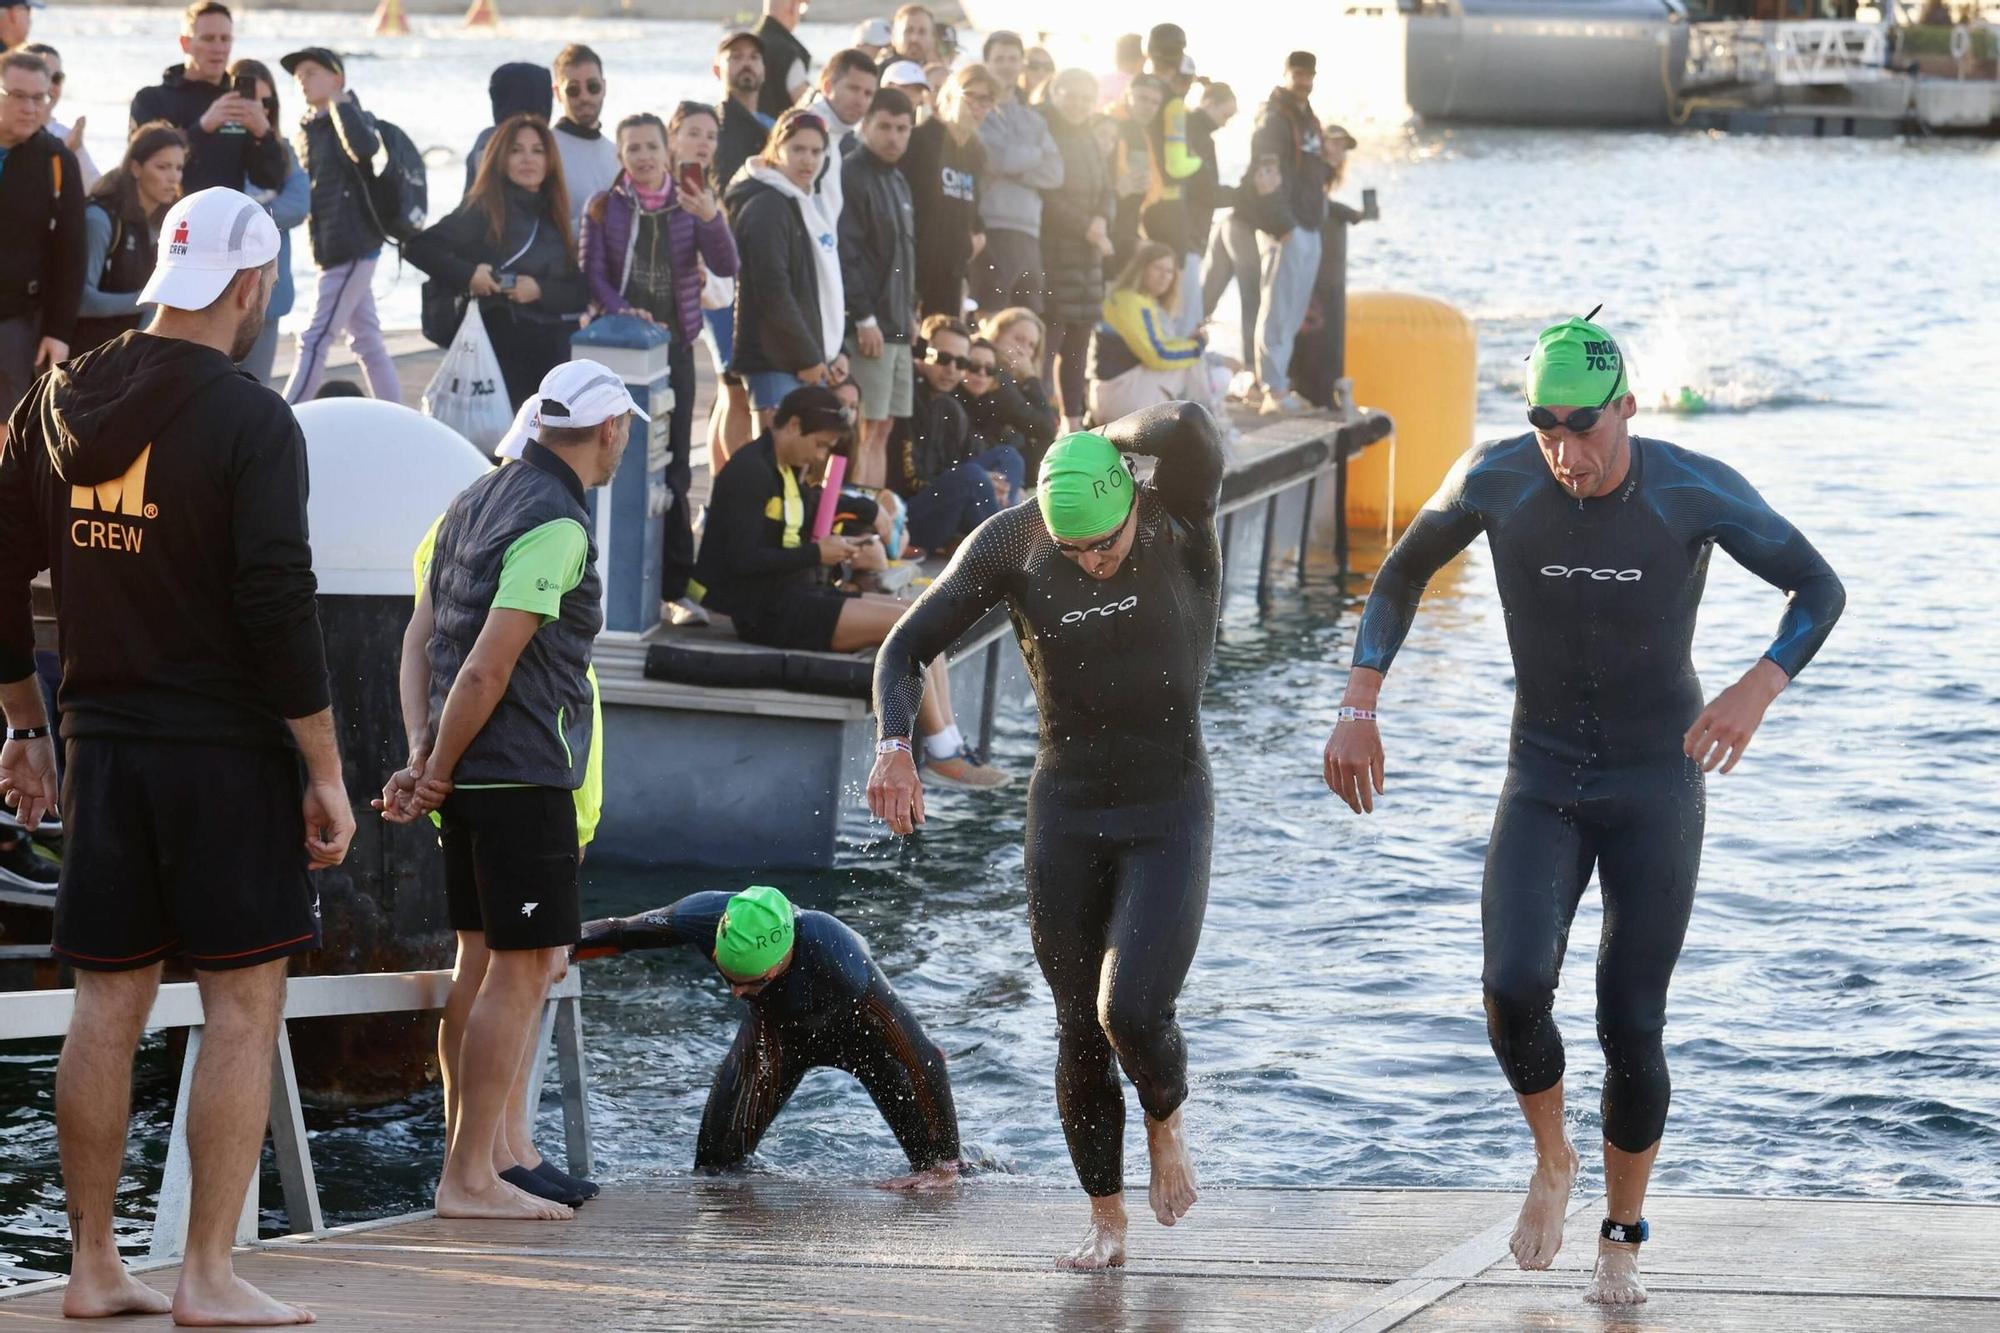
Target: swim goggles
{"x":1578,"y":422}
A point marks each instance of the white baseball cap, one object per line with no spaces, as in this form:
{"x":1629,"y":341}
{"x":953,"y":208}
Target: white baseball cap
{"x":582,"y":393}
{"x":874,"y":32}
{"x":904,"y":74}
{"x":207,"y":239}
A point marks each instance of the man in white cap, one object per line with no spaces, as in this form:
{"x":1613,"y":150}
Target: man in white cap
{"x":166,"y":491}
{"x":907,"y":78}
{"x":497,"y":705}
{"x":872,"y":37}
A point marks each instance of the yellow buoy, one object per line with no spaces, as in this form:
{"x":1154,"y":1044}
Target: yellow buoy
{"x":390,"y":20}
{"x":1418,"y":360}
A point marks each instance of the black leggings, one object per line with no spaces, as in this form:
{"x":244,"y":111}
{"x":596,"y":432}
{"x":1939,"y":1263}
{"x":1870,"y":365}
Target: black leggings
{"x":884,"y":1047}
{"x":677,"y":537}
{"x":1116,"y":896}
{"x":1641,"y":828}
{"x":1070,"y":345}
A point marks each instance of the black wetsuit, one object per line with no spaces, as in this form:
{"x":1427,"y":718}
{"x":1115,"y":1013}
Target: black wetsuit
{"x":832,"y":1008}
{"x":1600,"y":598}
{"x":1119,"y":811}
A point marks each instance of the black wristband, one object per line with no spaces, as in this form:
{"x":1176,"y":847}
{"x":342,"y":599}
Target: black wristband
{"x":27,"y":733}
{"x":1626,"y":1233}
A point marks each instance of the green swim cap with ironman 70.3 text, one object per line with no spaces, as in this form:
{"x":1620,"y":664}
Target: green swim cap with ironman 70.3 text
{"x":755,"y":932}
{"x":1575,"y":364}
{"x":1084,"y":490}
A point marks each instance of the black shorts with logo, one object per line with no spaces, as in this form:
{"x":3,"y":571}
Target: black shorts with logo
{"x":179,"y":849}
{"x":510,"y":865}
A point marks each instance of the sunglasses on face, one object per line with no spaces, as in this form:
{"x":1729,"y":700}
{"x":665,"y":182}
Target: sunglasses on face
{"x":979,"y":368}
{"x":937,"y":358}
{"x":1578,"y":422}
{"x":595,"y":87}
{"x":1097,"y":547}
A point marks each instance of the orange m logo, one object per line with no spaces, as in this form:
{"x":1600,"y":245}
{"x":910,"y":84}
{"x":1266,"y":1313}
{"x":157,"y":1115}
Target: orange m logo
{"x":121,"y":495}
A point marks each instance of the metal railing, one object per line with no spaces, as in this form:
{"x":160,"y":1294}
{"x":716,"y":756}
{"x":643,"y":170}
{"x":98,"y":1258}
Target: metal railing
{"x":1816,"y":53}
{"x":26,"y":1015}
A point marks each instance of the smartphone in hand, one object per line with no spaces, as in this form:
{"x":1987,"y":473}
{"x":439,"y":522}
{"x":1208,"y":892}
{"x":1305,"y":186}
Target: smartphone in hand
{"x":692,"y":179}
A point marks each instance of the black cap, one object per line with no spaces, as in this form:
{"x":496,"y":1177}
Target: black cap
{"x":319,"y":55}
{"x":740,"y":35}
{"x":1166,"y":39}
{"x":816,"y":408}
{"x":1304,"y":60}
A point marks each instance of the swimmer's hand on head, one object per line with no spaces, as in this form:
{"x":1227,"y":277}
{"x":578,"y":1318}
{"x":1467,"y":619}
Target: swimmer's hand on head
{"x":933,"y":1180}
{"x":1352,"y":763}
{"x":1723,"y":731}
{"x":895,"y":793}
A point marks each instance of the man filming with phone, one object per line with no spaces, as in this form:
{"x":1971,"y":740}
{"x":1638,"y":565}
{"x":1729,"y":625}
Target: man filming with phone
{"x":230,"y":135}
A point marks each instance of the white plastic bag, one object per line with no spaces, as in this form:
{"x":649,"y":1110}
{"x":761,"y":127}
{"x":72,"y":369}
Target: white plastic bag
{"x":468,"y":393}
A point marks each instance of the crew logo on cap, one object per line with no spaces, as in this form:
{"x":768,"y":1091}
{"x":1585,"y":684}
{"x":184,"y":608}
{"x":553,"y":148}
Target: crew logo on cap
{"x":206,"y":239}
{"x":179,"y":244}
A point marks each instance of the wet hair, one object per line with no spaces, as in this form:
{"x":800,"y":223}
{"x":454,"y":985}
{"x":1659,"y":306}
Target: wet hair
{"x":891,"y":102}
{"x":1002,"y":37}
{"x":996,"y":325}
{"x":576,"y":53}
{"x":118,"y":189}
{"x":201,"y":9}
{"x":1148,"y":254}
{"x":489,"y":194}
{"x":789,"y":126}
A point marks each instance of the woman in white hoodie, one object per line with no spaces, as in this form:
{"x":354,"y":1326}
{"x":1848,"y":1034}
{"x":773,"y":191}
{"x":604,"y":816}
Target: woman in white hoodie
{"x":790,"y":310}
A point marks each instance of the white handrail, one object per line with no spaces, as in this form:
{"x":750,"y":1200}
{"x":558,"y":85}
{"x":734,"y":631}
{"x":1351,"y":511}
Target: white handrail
{"x":31,"y":1014}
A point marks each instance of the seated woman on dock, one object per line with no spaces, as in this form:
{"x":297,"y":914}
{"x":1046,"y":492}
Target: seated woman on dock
{"x":1136,"y":361}
{"x":816,"y":1001}
{"x":758,"y":560}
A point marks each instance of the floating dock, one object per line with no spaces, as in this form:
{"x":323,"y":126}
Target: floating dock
{"x":669,"y":1253}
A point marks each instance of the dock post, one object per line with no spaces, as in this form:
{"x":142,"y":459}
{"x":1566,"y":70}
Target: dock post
{"x":631,"y":532}
{"x":1340,"y":511}
{"x":170,"y":1217}
{"x":1264,"y":558}
{"x":1306,"y":521}
{"x":575,"y":1088}
{"x":288,"y":1140}
{"x":989,"y":691}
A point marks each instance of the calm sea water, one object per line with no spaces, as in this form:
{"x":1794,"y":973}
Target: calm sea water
{"x":1835,"y":1022}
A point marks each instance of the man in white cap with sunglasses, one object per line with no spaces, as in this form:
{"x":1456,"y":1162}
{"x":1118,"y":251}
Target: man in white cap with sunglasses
{"x":166,"y":490}
{"x":497,"y":703}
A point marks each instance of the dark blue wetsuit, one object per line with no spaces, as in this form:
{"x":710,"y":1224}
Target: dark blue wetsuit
{"x":1600,"y":597}
{"x":832,"y":1008}
{"x":1119,"y":812}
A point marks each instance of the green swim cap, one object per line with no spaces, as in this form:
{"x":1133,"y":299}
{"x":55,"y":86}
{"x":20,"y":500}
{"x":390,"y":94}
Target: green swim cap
{"x":1085,"y":489}
{"x":755,"y":932}
{"x":1575,"y":364}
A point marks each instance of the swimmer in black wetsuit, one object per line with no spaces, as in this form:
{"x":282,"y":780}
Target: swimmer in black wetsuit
{"x":817,"y":1000}
{"x":1114,"y":595}
{"x":1600,"y":545}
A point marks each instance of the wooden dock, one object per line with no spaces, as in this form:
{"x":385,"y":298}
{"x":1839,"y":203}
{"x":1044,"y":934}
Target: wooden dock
{"x":673,"y":1253}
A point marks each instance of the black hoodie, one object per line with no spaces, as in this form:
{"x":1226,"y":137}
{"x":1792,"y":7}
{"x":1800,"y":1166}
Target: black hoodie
{"x":165,"y":491}
{"x":221,"y":157}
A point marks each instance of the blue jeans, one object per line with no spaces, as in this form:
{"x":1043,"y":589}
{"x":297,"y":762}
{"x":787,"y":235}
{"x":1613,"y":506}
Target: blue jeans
{"x":1007,"y":461}
{"x":952,"y":506}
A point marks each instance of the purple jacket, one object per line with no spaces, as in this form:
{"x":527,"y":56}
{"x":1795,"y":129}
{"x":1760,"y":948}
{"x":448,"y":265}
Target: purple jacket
{"x":605,"y":253}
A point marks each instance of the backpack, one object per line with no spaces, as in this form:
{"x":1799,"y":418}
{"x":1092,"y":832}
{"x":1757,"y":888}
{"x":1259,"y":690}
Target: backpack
{"x":395,"y":185}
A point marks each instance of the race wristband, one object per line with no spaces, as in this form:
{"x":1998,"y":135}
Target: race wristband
{"x":27,"y":733}
{"x":1355,"y":715}
{"x":891,"y":744}
{"x":1626,"y":1233}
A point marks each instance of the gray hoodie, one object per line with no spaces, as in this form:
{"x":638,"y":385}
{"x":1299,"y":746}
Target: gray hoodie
{"x":1022,"y":160}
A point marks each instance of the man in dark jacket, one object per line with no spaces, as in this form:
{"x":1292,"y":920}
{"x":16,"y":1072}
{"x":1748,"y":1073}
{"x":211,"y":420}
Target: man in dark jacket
{"x":951,"y":480}
{"x":230,"y":137}
{"x":739,"y":68}
{"x":41,"y":215}
{"x":1288,"y":134}
{"x":878,"y":271}
{"x":165,"y":490}
{"x":787,"y":63}
{"x":337,"y":142}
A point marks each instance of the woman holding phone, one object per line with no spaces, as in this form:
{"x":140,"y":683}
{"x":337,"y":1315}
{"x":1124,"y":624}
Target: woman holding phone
{"x":645,"y":243}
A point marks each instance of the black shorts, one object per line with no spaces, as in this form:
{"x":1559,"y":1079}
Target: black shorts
{"x":177,"y":849}
{"x":801,"y":617}
{"x":510,"y":865}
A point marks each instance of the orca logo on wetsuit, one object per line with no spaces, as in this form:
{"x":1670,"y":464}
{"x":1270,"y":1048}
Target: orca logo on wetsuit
{"x":1595,"y":575}
{"x":1108,"y":609}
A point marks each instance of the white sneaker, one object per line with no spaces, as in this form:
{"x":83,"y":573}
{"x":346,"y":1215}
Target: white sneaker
{"x":1288,"y":404}
{"x":686,"y":611}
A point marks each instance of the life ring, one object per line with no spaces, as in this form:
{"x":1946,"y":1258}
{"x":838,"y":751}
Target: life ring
{"x":1961,"y":43}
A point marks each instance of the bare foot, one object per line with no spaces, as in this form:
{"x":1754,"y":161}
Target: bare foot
{"x":499,"y":1202}
{"x":112,"y":1291}
{"x":1104,"y":1244}
{"x":1539,"y":1233}
{"x":231,"y":1302}
{"x":935,"y":1180}
{"x":1616,"y":1281}
{"x":1172,"y":1192}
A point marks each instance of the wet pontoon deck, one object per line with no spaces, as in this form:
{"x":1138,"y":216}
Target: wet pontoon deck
{"x":680,"y":1253}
